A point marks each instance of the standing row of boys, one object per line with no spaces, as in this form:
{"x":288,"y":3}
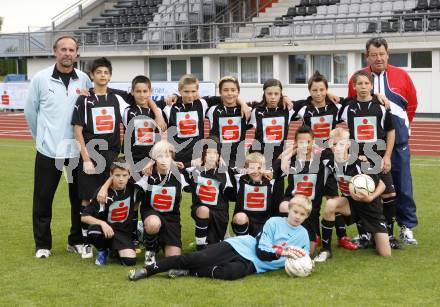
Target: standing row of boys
{"x":216,"y":170}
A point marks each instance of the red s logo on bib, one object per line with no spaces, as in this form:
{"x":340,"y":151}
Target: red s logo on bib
{"x":188,"y":126}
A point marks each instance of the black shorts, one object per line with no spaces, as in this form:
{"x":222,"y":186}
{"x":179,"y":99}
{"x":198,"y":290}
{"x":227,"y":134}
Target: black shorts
{"x":256,"y":226}
{"x":218,"y":223}
{"x":89,"y":184}
{"x":369,"y":215}
{"x":277,"y":196}
{"x":331,"y":187}
{"x":171,"y":230}
{"x":256,"y":222}
{"x":388,"y":181}
{"x":121,"y":240}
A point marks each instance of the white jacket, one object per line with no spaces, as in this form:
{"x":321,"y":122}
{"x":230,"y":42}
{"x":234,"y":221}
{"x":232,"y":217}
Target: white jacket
{"x":48,"y":110}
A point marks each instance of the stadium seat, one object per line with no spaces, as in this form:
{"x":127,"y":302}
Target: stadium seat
{"x":323,"y":2}
{"x":364,"y":8}
{"x":265,"y":31}
{"x":422,"y":5}
{"x":301,"y":11}
{"x":312,"y":10}
{"x":408,"y":25}
{"x":398,"y":5}
{"x":304,"y":3}
{"x":376,"y":7}
{"x":291,"y":12}
{"x":434,"y":5}
{"x":343,"y":9}
{"x":353,"y":9}
{"x":385,"y":26}
{"x":372,"y":27}
{"x":434,"y":24}
{"x":314,"y":2}
{"x":419,"y":24}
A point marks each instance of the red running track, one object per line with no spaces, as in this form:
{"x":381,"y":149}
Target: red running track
{"x":425,"y":137}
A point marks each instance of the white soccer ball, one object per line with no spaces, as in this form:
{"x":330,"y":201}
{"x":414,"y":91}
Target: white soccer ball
{"x":361,"y":185}
{"x":301,"y":267}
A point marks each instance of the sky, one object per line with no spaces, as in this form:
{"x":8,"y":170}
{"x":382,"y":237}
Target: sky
{"x":19,"y":14}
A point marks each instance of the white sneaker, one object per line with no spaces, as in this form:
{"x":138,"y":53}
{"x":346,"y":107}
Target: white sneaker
{"x":87,"y":252}
{"x":173,"y":273}
{"x":76,"y":249}
{"x":150,"y":258}
{"x":42,"y":253}
{"x":407,"y":236}
{"x":322,"y":256}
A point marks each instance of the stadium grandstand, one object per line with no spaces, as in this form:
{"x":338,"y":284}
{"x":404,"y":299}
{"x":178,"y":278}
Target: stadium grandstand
{"x":253,"y":40}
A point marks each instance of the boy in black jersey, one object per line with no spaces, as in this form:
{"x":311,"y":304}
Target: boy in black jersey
{"x":145,"y":129}
{"x":367,"y":209}
{"x":307,"y":175}
{"x":369,"y":122}
{"x":321,"y":114}
{"x":96,"y":120}
{"x":254,"y":194}
{"x":160,"y":209}
{"x":187,"y":116}
{"x":110,"y":223}
{"x":211,"y":189}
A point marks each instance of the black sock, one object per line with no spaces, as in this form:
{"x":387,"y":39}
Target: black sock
{"x":84,"y":228}
{"x":326,"y":231}
{"x":240,"y":230}
{"x":389,"y":211}
{"x":134,"y":223}
{"x":151,"y":242}
{"x":201,"y":231}
{"x":363,"y":234}
{"x":341,"y":230}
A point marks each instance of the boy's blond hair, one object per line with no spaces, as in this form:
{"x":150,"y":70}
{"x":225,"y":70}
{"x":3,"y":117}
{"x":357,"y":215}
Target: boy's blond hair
{"x":162,"y":147}
{"x":340,"y":133}
{"x":254,"y":157}
{"x":301,"y":201}
{"x":187,"y":80}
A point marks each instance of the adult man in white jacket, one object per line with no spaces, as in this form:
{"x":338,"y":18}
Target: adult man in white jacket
{"x":51,"y":98}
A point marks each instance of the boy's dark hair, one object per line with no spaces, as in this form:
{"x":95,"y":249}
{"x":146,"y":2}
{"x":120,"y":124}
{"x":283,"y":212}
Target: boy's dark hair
{"x":119,"y":163}
{"x":101,"y":62}
{"x":228,"y":79}
{"x":140,"y":79}
{"x":362,"y":73}
{"x":317,"y":77}
{"x":212,"y":142}
{"x":304,"y":130}
{"x":376,"y":42}
{"x":270,"y":83}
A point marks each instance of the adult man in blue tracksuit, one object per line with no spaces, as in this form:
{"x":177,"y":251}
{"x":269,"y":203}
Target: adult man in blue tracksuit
{"x":49,"y":105}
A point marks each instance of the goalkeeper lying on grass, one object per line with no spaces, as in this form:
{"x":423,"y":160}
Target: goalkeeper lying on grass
{"x":239,"y":256}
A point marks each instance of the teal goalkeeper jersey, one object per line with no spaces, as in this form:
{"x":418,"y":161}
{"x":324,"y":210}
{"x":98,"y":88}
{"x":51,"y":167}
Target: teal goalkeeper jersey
{"x":276,"y":232}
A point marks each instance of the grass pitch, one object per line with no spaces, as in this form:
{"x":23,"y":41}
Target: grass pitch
{"x":357,"y":278}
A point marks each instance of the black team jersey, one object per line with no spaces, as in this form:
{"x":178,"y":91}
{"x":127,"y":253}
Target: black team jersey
{"x":188,"y":118}
{"x":322,"y":120}
{"x":367,"y":122}
{"x":210,"y":188}
{"x":162,"y":193}
{"x":145,"y":130}
{"x":343,"y":173}
{"x":100,"y":116}
{"x":308,"y":178}
{"x":254,"y":198}
{"x":271,"y":128}
{"x":119,"y":208}
{"x":229,"y":126}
